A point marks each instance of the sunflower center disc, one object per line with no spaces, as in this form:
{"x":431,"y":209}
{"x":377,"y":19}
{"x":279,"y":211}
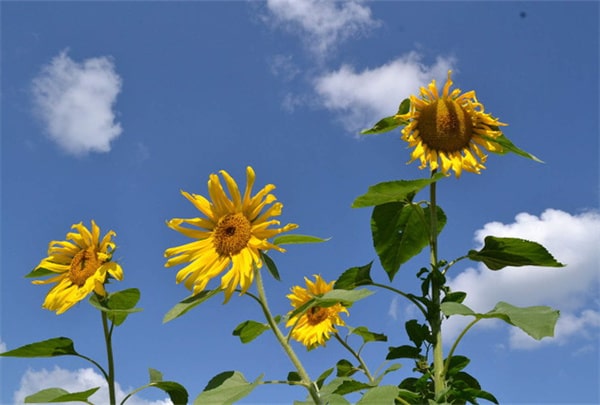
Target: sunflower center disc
{"x":445,"y":126}
{"x":232,"y":234}
{"x":316,"y":315}
{"x":84,"y":264}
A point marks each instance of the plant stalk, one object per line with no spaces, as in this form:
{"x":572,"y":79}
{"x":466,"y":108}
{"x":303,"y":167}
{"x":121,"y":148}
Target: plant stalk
{"x":109,"y":353}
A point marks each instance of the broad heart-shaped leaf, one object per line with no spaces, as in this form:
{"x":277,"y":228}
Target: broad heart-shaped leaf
{"x":249,"y":330}
{"x":393,"y":191}
{"x":226,"y":388}
{"x":189,"y":303}
{"x":297,"y":239}
{"x":498,"y":253}
{"x":400,"y":231}
{"x":51,"y":395}
{"x":60,"y":346}
{"x":508,"y":146}
{"x":354,"y":277}
{"x":118,"y":305}
{"x":383,"y":394}
{"x":537,"y":321}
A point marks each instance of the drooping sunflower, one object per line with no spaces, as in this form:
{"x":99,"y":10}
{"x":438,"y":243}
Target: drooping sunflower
{"x":451,"y":129}
{"x":231,"y":236}
{"x":314,"y":327}
{"x":83,"y":265}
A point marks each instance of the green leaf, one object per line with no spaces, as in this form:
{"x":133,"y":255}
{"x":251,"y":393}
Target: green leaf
{"x":456,"y":308}
{"x":498,"y":253}
{"x":455,"y":296}
{"x":51,"y":395}
{"x":393,"y":191}
{"x":296,"y":239}
{"x":456,"y":364}
{"x":177,"y":392}
{"x":403,"y":352}
{"x":344,"y":369}
{"x":384,"y":125}
{"x":294,"y":376}
{"x":226,"y":388}
{"x":118,"y":305}
{"x":323,"y":377}
{"x":384,"y":394}
{"x":189,"y":303}
{"x":40,"y":272}
{"x":537,"y":321}
{"x":416,"y":332}
{"x":270,"y":266}
{"x":508,"y":146}
{"x":400,"y":232}
{"x":354,"y":277}
{"x":155,"y":375}
{"x":60,"y":346}
{"x":344,"y":297}
{"x":367,"y":335}
{"x":350,"y":386}
{"x":249,"y":330}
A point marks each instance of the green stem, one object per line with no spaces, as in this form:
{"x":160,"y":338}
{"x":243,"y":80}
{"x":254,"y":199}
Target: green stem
{"x":357,"y":357}
{"x":109,"y":353}
{"x":310,"y":386}
{"x":435,"y":318}
{"x":458,"y":339}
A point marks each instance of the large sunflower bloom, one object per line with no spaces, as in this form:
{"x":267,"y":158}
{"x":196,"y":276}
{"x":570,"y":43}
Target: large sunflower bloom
{"x":452,"y":129}
{"x":83,"y":265}
{"x":232,"y":235}
{"x":314,"y":327}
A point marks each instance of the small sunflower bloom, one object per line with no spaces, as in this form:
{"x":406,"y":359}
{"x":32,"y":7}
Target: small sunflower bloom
{"x":314,"y":327}
{"x":449,"y":131}
{"x":83,"y":264}
{"x":230,"y":237}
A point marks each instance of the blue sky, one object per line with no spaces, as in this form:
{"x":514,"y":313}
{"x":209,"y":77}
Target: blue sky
{"x":110,"y":108}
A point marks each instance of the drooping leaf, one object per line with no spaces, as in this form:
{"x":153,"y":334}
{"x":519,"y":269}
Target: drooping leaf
{"x":226,"y":388}
{"x":354,"y":277}
{"x":189,"y":303}
{"x":383,"y":394}
{"x":60,"y":346}
{"x":118,"y":305}
{"x":508,"y":146}
{"x":393,"y":191}
{"x":297,"y":239}
{"x":537,"y":321}
{"x":270,"y":266}
{"x":403,"y":352}
{"x":344,"y":369}
{"x":52,"y":395}
{"x":177,"y":392}
{"x":367,"y":335}
{"x":249,"y":330}
{"x":498,"y":253}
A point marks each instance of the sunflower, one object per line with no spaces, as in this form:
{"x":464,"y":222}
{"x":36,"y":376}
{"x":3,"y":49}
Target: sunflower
{"x":452,"y":129}
{"x":313,"y":327}
{"x":83,"y":265}
{"x":231,"y":236}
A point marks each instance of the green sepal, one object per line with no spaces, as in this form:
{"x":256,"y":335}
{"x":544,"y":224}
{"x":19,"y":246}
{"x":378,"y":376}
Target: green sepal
{"x":52,"y":395}
{"x":393,"y":191}
{"x":389,"y":123}
{"x":40,"y":272}
{"x":226,"y":388}
{"x":354,"y":277}
{"x":367,"y":335}
{"x":189,"y":303}
{"x":117,"y":305}
{"x":498,"y":253}
{"x":249,"y":330}
{"x":383,"y":394}
{"x":403,"y":352}
{"x":60,"y":346}
{"x":400,"y":232}
{"x":297,"y":239}
{"x":270,"y":266}
{"x":508,"y":146}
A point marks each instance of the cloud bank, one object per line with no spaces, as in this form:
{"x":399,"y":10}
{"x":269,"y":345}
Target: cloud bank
{"x":75,"y":103}
{"x":74,"y":381}
{"x":572,"y":240}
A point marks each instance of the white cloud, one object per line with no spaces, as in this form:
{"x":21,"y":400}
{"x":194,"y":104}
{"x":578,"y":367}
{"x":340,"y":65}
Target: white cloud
{"x":572,"y":240}
{"x":393,"y":309}
{"x":362,"y":98}
{"x":283,"y":66}
{"x":322,"y":24}
{"x":74,"y":381}
{"x":75,"y":103}
{"x":2,"y":346}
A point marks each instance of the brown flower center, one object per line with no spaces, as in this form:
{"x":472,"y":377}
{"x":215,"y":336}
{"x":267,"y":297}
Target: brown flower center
{"x":83,"y":266}
{"x":445,"y":126}
{"x":316,"y":315}
{"x":232,"y":234}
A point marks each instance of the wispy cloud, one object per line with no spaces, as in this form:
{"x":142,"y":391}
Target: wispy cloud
{"x":360,"y":99}
{"x":322,"y":24}
{"x":2,"y":346}
{"x":573,"y":240}
{"x":75,"y":103}
{"x":74,"y":381}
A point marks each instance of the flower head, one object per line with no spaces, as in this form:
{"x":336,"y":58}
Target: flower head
{"x":82,"y":266}
{"x":314,"y":327}
{"x":451,"y":128}
{"x":230,"y":237}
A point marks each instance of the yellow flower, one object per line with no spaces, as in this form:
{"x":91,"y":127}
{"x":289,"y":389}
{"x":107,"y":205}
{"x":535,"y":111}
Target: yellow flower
{"x":313,"y":327}
{"x":232,"y":235}
{"x":452,"y":128}
{"x":83,"y":266}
